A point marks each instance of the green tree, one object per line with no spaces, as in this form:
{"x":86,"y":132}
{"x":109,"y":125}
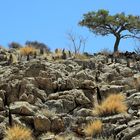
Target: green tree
{"x":120,"y":25}
{"x":14,"y":45}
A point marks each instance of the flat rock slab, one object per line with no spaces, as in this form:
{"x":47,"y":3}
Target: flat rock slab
{"x":22,"y":108}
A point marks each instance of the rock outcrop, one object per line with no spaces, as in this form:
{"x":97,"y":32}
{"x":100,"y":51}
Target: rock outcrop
{"x":59,"y":96}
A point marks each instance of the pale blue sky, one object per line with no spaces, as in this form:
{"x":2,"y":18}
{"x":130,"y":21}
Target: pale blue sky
{"x":48,"y":21}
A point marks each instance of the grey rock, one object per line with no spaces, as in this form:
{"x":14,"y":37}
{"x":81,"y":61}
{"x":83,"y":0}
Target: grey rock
{"x":22,"y":108}
{"x":86,"y":63}
{"x":34,"y":69}
{"x":45,"y":84}
{"x":129,"y":133}
{"x":40,"y":94}
{"x":2,"y":94}
{"x":1,"y":104}
{"x":2,"y":118}
{"x":126,"y":72}
{"x":134,"y":100}
{"x":12,"y":91}
{"x":57,"y":124}
{"x":23,"y":97}
{"x":133,"y":122}
{"x":120,"y":128}
{"x":66,"y":101}
{"x":116,"y":118}
{"x":111,"y":89}
{"x":83,"y":75}
{"x":56,"y":105}
{"x":42,"y":123}
{"x":2,"y":130}
{"x":84,"y":112}
{"x":87,"y":84}
{"x":81,"y":99}
{"x":31,"y":99}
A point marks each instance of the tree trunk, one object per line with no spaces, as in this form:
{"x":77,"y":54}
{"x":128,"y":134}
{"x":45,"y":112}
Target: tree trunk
{"x":28,"y":57}
{"x":116,"y":44}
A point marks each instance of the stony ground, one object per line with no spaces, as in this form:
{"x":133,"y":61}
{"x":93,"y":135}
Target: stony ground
{"x":59,"y":96}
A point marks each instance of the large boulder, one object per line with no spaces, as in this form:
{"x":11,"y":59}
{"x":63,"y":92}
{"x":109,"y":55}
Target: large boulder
{"x":129,"y":133}
{"x":111,"y":89}
{"x":22,"y":108}
{"x":134,"y":100}
{"x":42,"y":123}
{"x":84,"y":112}
{"x":12,"y":91}
{"x":84,"y":75}
{"x":56,"y":105}
{"x":57,"y":124}
{"x":126,"y":72}
{"x":45,"y":84}
{"x":40,"y":94}
{"x":34,"y":69}
{"x":65,"y":102}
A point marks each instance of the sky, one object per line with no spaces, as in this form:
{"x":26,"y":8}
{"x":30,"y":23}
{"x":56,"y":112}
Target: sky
{"x":49,"y":21}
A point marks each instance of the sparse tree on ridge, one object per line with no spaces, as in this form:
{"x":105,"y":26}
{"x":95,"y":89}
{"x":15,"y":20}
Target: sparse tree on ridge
{"x":120,"y":25}
{"x":77,"y":42}
{"x":14,"y":45}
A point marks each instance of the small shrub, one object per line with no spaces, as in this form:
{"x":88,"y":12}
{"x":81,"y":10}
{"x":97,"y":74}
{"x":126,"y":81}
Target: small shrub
{"x":113,"y":104}
{"x":14,"y":45}
{"x":81,"y":56}
{"x":93,"y":128}
{"x":18,"y":133}
{"x":27,"y":51}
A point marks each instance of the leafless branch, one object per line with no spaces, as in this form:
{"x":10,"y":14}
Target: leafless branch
{"x":78,"y":43}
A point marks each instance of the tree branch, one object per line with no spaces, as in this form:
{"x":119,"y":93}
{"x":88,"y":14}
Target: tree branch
{"x":129,"y":36}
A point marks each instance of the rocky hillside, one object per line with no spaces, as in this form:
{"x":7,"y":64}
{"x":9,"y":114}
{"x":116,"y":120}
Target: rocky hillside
{"x":58,"y":99}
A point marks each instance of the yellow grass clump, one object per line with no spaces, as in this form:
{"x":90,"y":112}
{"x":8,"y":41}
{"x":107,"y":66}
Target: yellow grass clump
{"x":27,"y":50}
{"x":18,"y":133}
{"x":113,"y":104}
{"x":93,"y":128}
{"x":81,"y":56}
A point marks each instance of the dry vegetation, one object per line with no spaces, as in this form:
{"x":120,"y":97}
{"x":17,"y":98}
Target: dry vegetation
{"x":80,"y":56}
{"x":27,"y":50}
{"x":93,"y":128}
{"x":113,"y":104}
{"x":18,"y":133}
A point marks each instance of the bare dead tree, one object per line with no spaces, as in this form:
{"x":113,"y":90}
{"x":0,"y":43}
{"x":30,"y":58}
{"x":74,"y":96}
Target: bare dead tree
{"x":78,"y":43}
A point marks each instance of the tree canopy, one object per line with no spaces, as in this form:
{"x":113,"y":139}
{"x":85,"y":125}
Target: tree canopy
{"x":14,"y":45}
{"x":120,"y":25}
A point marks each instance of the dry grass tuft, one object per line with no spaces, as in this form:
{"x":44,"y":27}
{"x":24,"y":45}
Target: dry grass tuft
{"x":93,"y":128}
{"x":81,"y":56}
{"x":18,"y":133}
{"x":113,"y":104}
